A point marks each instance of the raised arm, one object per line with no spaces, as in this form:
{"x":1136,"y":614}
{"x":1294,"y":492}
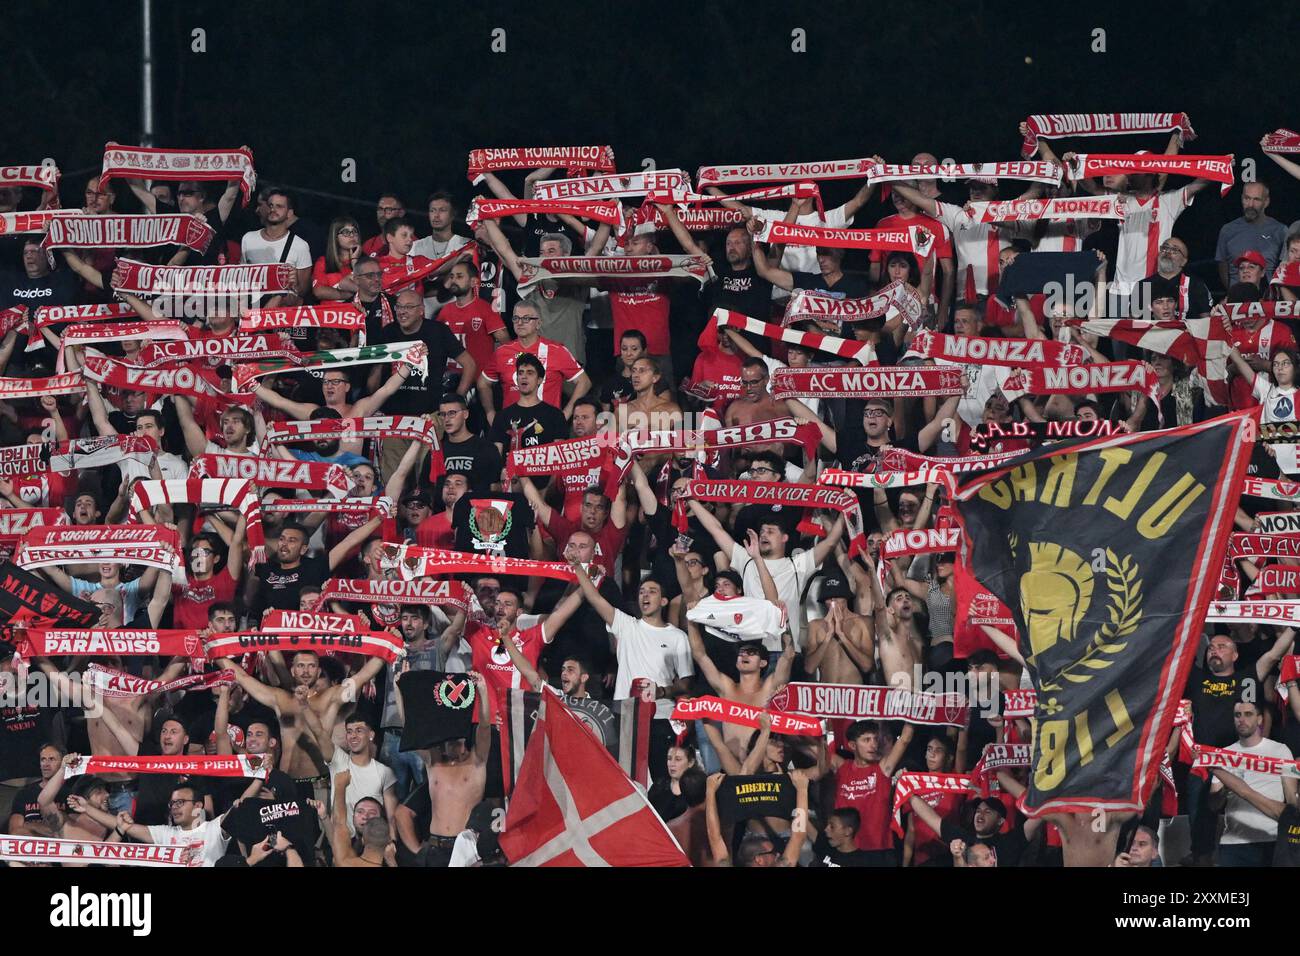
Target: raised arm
{"x":713,"y":526}
{"x":716,"y":679}
{"x":1281,"y":647}
{"x":502,"y":191}
{"x":535,"y":499}
{"x":339,"y":553}
{"x":781,"y":278}
{"x":890,"y":763}
{"x":593,"y":596}
{"x":684,"y":238}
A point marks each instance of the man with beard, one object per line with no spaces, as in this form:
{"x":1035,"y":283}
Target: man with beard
{"x":1253,"y":231}
{"x":648,"y":409}
{"x":156,"y":788}
{"x":1190,"y":296}
{"x":268,"y":245}
{"x":470,"y":317}
{"x":70,"y":818}
{"x":584,"y":636}
{"x":280,"y":578}
{"x":603,"y":520}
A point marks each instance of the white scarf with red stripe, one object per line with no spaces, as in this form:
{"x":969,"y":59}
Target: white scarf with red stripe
{"x":44,"y":177}
{"x":610,"y":211}
{"x":380,"y":644}
{"x":1057,"y":125}
{"x":406,"y":427}
{"x":128,"y":232}
{"x":334,"y":315}
{"x":839,"y":478}
{"x":179,"y":165}
{"x":533,"y":271}
{"x":613,"y":186}
{"x":151,"y":545}
{"x":414,"y":561}
{"x":1200,"y":343}
{"x":1082,"y":380}
{"x":1217,"y":169}
{"x":53,"y":314}
{"x":863,"y":352}
{"x":1254,"y":612}
{"x":445,"y":592}
{"x":907,"y":541}
{"x":1021,"y":353}
{"x":67,"y":456}
{"x":70,"y":383}
{"x":805,"y":305}
{"x":1206,"y":758}
{"x":782,"y":172}
{"x":141,"y":278}
{"x":51,"y":852}
{"x":414,"y":354}
{"x":1060,"y":209}
{"x":192,"y":765}
{"x":1037,"y":171}
{"x":119,"y":684}
{"x":237,"y":493}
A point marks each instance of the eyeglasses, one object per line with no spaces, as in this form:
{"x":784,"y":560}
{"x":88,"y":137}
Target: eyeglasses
{"x":1174,"y":250}
{"x":875,"y":413}
{"x":693,"y":562}
{"x":173,"y":804}
{"x":335,"y":381}
{"x":761,"y":469}
{"x":409,"y":307}
{"x":196,"y":551}
{"x":526,"y":318}
{"x":348,"y":231}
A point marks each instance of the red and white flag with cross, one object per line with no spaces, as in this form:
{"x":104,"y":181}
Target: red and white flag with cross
{"x":574,"y":806}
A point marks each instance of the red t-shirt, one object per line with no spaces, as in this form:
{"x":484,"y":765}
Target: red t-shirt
{"x":436,"y":531}
{"x":319,"y":275}
{"x":375,"y":246}
{"x":473,"y":325}
{"x":558,"y":361}
{"x":609,"y":542}
{"x":928,"y":845}
{"x":190,"y":606}
{"x":641,"y":306}
{"x":1261,"y":343}
{"x":720,"y":368}
{"x":46,"y":489}
{"x":869,"y":791}
{"x":942,"y":237}
{"x":494,"y":663}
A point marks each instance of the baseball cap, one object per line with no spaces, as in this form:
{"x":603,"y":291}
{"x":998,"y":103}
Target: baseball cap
{"x":992,"y":803}
{"x":834,"y":586}
{"x":421,"y":497}
{"x":1253,"y":256}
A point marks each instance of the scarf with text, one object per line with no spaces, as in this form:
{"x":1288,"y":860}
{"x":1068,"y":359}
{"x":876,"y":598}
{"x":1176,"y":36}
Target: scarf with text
{"x":1057,"y":125}
{"x":33,"y":222}
{"x":151,"y":545}
{"x":414,"y":269}
{"x":1037,"y":171}
{"x":533,"y":271}
{"x":782,"y":172}
{"x":238,"y":493}
{"x":1248,"y":313}
{"x":909,"y":785}
{"x":1019,"y":353}
{"x":98,"y":332}
{"x":1287,"y":273}
{"x":1019,"y":703}
{"x":1278,"y":579}
{"x":684,"y":196}
{"x":1278,"y":522}
{"x":744,"y":715}
{"x":50,"y":315}
{"x":380,"y":644}
{"x":128,"y":232}
{"x":907,"y":541}
{"x":1061,"y":208}
{"x":781,"y":493}
{"x":898,"y":297}
{"x":1281,"y":141}
{"x":569,"y":457}
{"x":839,"y":478}
{"x":444,"y":592}
{"x":218,"y":350}
{"x":856,"y":702}
{"x":114,"y":642}
{"x":45,"y":178}
{"x":333,"y":315}
{"x":1082,"y":380}
{"x":914,"y":239}
{"x":1206,"y":758}
{"x":119,"y":684}
{"x":575,"y":159}
{"x":192,"y":380}
{"x":614,"y":186}
{"x":141,"y":278}
{"x":312,"y":622}
{"x":179,"y":165}
{"x":414,"y":354}
{"x":191,"y":765}
{"x":16,"y":522}
{"x":52,"y":852}
{"x":68,"y":456}
{"x":405,"y":427}
{"x":1243,"y":544}
{"x":69,"y":383}
{"x":994,"y":758}
{"x":695,"y":218}
{"x":875,"y":382}
{"x":900,"y":459}
{"x":1214,"y":168}
{"x":1278,"y":489}
{"x":414,"y":561}
{"x":276,"y":472}
{"x":610,"y":211}
{"x":863,"y":352}
{"x":1254,"y":612}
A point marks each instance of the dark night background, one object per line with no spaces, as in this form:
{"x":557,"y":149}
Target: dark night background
{"x":406,"y":89}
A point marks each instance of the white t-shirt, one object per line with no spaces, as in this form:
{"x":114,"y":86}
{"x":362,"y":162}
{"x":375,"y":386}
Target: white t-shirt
{"x":368,"y":781}
{"x":256,"y":250}
{"x":803,"y":258}
{"x":209,"y":833}
{"x":172,"y":467}
{"x":1145,"y":226}
{"x":790,"y":575}
{"x":432,"y":248}
{"x":976,"y":244}
{"x":661,"y":654}
{"x":1279,"y":403}
{"x":1244,"y":823}
{"x":212,"y":448}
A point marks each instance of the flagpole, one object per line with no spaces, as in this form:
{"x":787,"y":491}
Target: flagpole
{"x":146,"y":73}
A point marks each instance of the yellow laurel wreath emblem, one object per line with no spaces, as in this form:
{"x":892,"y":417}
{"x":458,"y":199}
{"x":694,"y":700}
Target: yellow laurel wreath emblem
{"x":1125,"y":613}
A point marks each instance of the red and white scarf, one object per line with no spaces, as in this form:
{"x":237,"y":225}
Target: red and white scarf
{"x":1245,"y":545}
{"x":67,"y":456}
{"x":1113,"y":206}
{"x":15,"y":317}
{"x":863,"y":352}
{"x":875,"y":382}
{"x":1057,"y":125}
{"x":684,"y":196}
{"x":610,"y":211}
{"x":37,"y":177}
{"x":695,"y":219}
{"x":807,"y":306}
{"x":1036,"y":171}
{"x":151,"y":545}
{"x":858,"y":702}
{"x":744,"y":715}
{"x":1248,"y":313}
{"x":573,"y":158}
{"x":570,"y":456}
{"x":1254,"y":612}
{"x":416,"y":269}
{"x":1217,"y":169}
{"x":191,"y":765}
{"x":900,"y":459}
{"x":33,"y":222}
{"x":119,"y":684}
{"x":1082,"y":380}
{"x":238,"y":493}
{"x":1278,"y":522}
{"x":70,"y":383}
{"x":221,"y":349}
{"x":533,"y":271}
{"x":997,"y":757}
{"x":914,"y":239}
{"x":838,"y":478}
{"x":414,"y":354}
{"x":782,"y":172}
{"x":312,"y":622}
{"x":179,"y":165}
{"x":1281,"y":141}
{"x":334,"y":315}
{"x":909,"y":785}
{"x":128,"y":232}
{"x":907,"y":541}
{"x":16,"y":522}
{"x":1290,"y":670}
{"x":54,"y":314}
{"x":48,"y":851}
{"x":141,"y":278}
{"x":613,"y":186}
{"x":380,"y":644}
{"x":92,"y":333}
{"x":782,"y":493}
{"x":445,"y":592}
{"x":1277,"y":489}
{"x":111,"y":642}
{"x":276,"y":472}
{"x":1020,"y":353}
{"x":1206,"y":758}
{"x":192,"y":380}
{"x":1286,"y":273}
{"x":414,"y":561}
{"x":1201,"y":343}
{"x":1019,"y":703}
{"x":405,"y":427}
{"x":1278,"y":579}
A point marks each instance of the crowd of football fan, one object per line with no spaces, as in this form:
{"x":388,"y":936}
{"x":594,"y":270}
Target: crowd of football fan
{"x":571,"y":359}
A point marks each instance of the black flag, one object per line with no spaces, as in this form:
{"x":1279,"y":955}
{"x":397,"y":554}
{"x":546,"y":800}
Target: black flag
{"x":1108,"y":553}
{"x":29,"y":600}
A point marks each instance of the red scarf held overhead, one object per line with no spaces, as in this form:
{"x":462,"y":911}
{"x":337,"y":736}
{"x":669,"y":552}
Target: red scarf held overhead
{"x":1082,"y":379}
{"x":128,"y":232}
{"x":405,"y":427}
{"x":1019,"y":703}
{"x":1282,"y":141}
{"x":863,"y":352}
{"x":68,"y":456}
{"x":695,"y":219}
{"x":219,"y":350}
{"x":805,"y":305}
{"x":179,"y":165}
{"x":444,"y":592}
{"x":153,"y":546}
{"x":573,"y":158}
{"x":29,"y":223}
{"x":533,"y":271}
{"x":1246,"y":545}
{"x":414,"y":561}
{"x":380,"y":644}
{"x":1254,"y":612}
{"x":781,"y":493}
{"x":613,"y":186}
{"x":914,"y":239}
{"x":238,"y":493}
{"x":907,"y":541}
{"x":1248,"y":313}
{"x":70,"y":383}
{"x":900,"y":459}
{"x":338,"y":315}
{"x":114,"y":642}
{"x":119,"y":684}
{"x":684,"y":196}
{"x":1279,"y":579}
{"x":1217,"y":169}
{"x":1018,"y":353}
{"x":414,"y":269}
{"x":191,"y":765}
{"x":909,"y":785}
{"x":16,"y":522}
{"x":140,"y":278}
{"x":1057,"y":125}
{"x":782,"y":172}
{"x":49,"y":315}
{"x":744,"y":715}
{"x":874,"y":382}
{"x":276,"y":472}
{"x":839,"y":478}
{"x":994,"y":758}
{"x":37,"y":177}
{"x":1060,"y":209}
{"x":610,"y":211}
{"x":312,"y":622}
{"x":1206,"y":758}
{"x":192,"y":380}
{"x":14,"y":317}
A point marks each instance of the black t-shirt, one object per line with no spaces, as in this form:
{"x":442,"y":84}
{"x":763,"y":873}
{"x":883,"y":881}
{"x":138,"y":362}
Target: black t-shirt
{"x":417,"y":395}
{"x":27,"y":803}
{"x":375,"y":316}
{"x":256,"y":819}
{"x":280,"y":587}
{"x":824,"y":855}
{"x":849,"y":286}
{"x":583,"y":636}
{"x":22,"y":731}
{"x":152,"y":797}
{"x":476,"y":457}
{"x":1287,"y":850}
{"x":437,"y":706}
{"x":741,"y":290}
{"x":538,"y":424}
{"x":504,"y":534}
{"x":618,"y":388}
{"x":1008,"y":847}
{"x":60,"y":287}
{"x":851,"y":445}
{"x":1212,"y":701}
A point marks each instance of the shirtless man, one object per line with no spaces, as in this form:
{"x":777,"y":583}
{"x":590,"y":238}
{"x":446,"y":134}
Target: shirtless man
{"x":648,"y":409}
{"x":898,"y":639}
{"x":755,"y":403}
{"x":457,"y":778}
{"x":377,"y":848}
{"x":840,"y":648}
{"x":72,"y":822}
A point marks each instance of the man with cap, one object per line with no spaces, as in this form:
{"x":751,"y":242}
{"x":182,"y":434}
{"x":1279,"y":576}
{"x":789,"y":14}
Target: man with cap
{"x":987,"y":817}
{"x":417,"y":508}
{"x":1253,"y":231}
{"x":840,"y":647}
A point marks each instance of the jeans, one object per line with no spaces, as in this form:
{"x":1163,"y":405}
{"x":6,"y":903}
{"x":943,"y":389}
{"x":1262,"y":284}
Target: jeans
{"x":407,"y":767}
{"x":709,"y":761}
{"x":1246,"y":854}
{"x":119,"y":800}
